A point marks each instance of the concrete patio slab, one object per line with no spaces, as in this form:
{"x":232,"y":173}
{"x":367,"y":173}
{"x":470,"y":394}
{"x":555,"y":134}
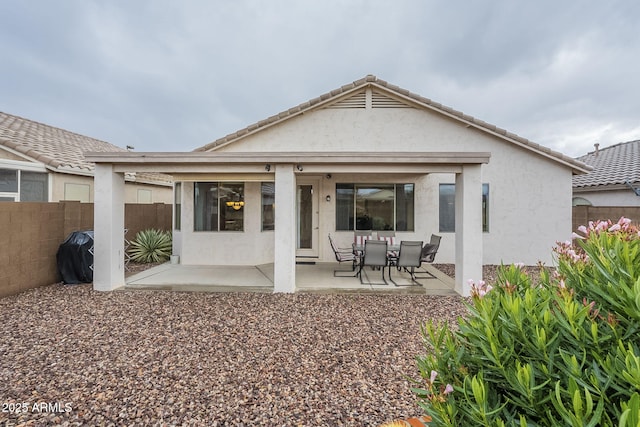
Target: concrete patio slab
{"x":310,"y":278}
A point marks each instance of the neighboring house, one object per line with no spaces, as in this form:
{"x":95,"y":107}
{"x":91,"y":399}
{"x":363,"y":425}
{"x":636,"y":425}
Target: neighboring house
{"x":615,"y":178}
{"x":368,"y":155}
{"x":46,"y":164}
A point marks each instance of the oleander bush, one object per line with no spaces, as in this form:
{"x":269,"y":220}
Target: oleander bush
{"x":151,"y":246}
{"x":562,"y":350}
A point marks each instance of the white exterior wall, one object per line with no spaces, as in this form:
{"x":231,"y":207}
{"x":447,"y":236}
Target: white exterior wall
{"x":624,"y":197}
{"x":529,"y":199}
{"x":249,"y":247}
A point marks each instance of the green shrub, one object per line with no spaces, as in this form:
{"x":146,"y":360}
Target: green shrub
{"x":564,"y":351}
{"x":151,"y":246}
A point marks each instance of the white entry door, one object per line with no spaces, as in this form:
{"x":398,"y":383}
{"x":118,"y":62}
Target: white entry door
{"x":307,"y":218}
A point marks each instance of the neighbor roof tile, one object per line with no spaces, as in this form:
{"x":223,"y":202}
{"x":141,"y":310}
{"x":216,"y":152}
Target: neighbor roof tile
{"x":617,"y":164}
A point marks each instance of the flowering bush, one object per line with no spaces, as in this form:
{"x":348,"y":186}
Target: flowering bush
{"x":563,"y":350}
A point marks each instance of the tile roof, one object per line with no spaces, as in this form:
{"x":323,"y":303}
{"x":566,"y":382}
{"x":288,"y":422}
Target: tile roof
{"x":55,"y":147}
{"x":373,"y":81}
{"x":58,"y":149}
{"x":614,"y":165}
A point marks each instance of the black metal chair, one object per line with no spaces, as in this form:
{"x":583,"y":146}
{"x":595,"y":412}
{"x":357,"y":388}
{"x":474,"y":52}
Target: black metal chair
{"x":375,"y":255}
{"x":344,"y":255}
{"x":409,"y":258}
{"x":429,"y":252}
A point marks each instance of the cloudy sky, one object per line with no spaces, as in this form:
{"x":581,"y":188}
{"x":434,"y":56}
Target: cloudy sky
{"x":165,"y":75}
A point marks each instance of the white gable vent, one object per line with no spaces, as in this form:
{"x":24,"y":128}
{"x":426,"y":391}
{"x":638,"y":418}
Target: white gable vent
{"x":359,"y":100}
{"x":369,"y":99}
{"x":380,"y":100}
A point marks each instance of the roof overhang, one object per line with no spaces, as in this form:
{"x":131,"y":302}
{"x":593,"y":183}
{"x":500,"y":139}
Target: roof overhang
{"x":309,"y":162}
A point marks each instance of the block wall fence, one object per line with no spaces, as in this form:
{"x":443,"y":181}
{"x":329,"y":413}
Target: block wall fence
{"x":31,"y":232}
{"x":583,"y":214}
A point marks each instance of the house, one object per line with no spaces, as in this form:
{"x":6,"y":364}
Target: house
{"x":615,"y":178}
{"x":367,"y":155}
{"x":46,"y":164}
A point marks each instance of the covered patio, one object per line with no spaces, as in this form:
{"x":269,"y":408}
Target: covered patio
{"x":310,"y":278}
{"x":286,"y":171}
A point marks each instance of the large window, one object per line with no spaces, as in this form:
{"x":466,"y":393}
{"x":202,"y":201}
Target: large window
{"x":268,"y":191}
{"x":29,"y":186}
{"x":375,"y":207}
{"x":218,"y":206}
{"x":448,"y":208}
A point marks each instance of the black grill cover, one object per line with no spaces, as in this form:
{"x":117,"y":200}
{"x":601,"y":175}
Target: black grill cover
{"x":75,"y":258}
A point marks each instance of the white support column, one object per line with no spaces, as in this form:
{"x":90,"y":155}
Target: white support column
{"x":284,"y":274}
{"x":108,"y":225}
{"x":468,"y":227}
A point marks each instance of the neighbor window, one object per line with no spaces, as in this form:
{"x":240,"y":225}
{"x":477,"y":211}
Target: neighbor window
{"x":25,"y":186}
{"x":375,"y":207}
{"x":218,"y":206}
{"x":8,"y":181}
{"x":448,"y":212}
{"x":33,"y":187}
{"x":268,"y":191}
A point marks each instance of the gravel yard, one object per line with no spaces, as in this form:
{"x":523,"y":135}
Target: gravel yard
{"x":74,"y":356}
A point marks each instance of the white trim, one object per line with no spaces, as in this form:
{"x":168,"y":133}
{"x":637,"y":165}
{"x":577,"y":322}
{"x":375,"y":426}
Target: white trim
{"x":26,"y":166}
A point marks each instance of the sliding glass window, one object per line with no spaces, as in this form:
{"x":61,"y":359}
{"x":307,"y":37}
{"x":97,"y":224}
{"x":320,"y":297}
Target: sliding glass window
{"x":218,"y":206}
{"x":447,"y":200}
{"x":29,"y":186}
{"x":375,"y":207}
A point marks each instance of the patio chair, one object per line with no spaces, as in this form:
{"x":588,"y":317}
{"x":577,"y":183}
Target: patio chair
{"x":386,"y":233}
{"x":409,"y":258}
{"x":375,"y":255}
{"x":344,"y":255}
{"x":390,"y":237}
{"x":429,"y":252}
{"x":359,"y":237}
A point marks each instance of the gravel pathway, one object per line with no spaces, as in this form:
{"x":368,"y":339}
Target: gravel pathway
{"x":74,"y":356}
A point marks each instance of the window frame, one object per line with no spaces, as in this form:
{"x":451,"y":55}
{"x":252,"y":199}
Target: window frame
{"x":266,"y":223}
{"x":486,"y":191}
{"x":177,"y":206}
{"x":18,"y":192}
{"x":347,"y":205}
{"x":222,"y":210}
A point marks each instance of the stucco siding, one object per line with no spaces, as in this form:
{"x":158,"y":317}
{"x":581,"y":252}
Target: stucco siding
{"x":159,"y":194}
{"x":4,"y":154}
{"x":402,"y":129}
{"x":624,"y":197}
{"x":252,"y":246}
{"x":530,"y":196}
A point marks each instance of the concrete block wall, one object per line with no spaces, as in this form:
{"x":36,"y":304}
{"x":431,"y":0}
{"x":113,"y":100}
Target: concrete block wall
{"x":583,"y":214}
{"x":31,"y":232}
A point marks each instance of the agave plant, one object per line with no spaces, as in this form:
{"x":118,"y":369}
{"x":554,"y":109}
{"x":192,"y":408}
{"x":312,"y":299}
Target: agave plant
{"x":151,"y":246}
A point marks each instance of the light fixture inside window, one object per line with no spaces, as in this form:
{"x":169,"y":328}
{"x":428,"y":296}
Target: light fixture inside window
{"x":235,"y":205}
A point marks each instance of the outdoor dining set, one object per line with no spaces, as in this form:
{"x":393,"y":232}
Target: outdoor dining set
{"x":382,"y":252}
